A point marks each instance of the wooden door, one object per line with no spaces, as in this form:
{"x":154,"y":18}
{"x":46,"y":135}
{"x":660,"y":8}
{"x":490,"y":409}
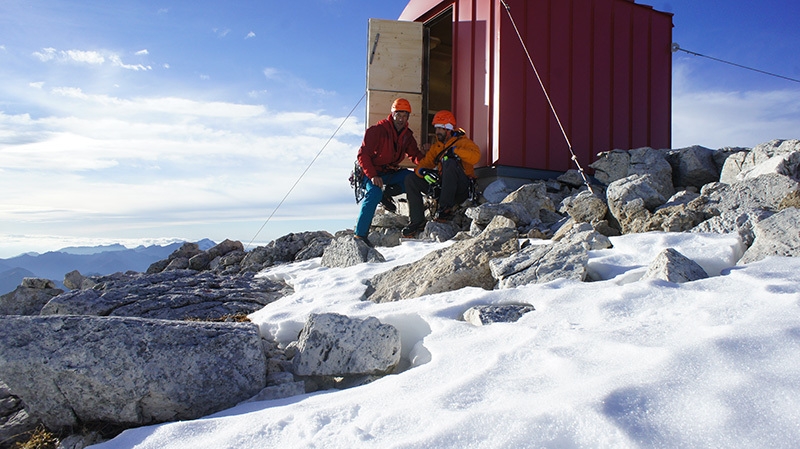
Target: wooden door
{"x":394,"y":69}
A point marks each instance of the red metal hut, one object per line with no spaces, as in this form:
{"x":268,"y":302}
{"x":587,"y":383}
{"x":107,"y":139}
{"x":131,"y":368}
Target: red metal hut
{"x":606,"y":65}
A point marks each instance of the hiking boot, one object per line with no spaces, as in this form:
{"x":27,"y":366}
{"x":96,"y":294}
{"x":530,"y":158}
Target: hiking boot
{"x":366,"y":241}
{"x":444,"y":215}
{"x":410,"y":231}
{"x":388,"y":203}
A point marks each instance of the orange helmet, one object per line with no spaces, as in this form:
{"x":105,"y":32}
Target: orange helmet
{"x":444,"y":119}
{"x":401,"y":104}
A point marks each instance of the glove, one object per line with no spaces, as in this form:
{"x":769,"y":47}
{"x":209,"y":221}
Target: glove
{"x":429,"y":175}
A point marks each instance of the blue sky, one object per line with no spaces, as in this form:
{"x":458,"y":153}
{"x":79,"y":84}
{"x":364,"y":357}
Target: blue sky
{"x":137,"y":121}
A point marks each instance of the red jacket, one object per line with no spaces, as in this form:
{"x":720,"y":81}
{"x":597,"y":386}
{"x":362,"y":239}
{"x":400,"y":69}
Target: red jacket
{"x":384,"y":148}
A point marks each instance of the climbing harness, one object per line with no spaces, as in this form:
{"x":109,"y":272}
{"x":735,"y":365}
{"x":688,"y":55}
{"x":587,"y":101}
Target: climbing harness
{"x":358,"y":181}
{"x":547,"y":96}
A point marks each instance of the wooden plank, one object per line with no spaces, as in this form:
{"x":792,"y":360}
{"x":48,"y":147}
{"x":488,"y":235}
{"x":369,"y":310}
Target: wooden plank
{"x":394,"y":56}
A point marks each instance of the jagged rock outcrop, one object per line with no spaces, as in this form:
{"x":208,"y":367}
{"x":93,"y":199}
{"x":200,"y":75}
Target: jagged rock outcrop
{"x":128,"y":371}
{"x":463,"y":264}
{"x":289,"y":248}
{"x":29,"y":297}
{"x":170,"y":295}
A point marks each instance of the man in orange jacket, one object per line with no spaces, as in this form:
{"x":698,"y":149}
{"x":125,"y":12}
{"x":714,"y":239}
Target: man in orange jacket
{"x":385,"y":145}
{"x":450,"y":160}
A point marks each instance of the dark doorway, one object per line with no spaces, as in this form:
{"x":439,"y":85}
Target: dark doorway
{"x":438,"y":74}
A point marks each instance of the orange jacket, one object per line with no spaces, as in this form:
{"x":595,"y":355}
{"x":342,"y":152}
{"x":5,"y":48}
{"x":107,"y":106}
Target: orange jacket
{"x":384,"y":148}
{"x":465,"y":149}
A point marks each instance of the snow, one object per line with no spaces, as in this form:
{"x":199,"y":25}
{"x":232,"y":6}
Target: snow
{"x":615,"y":363}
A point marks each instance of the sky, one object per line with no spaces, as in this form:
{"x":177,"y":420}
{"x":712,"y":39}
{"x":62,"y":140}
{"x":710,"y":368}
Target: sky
{"x":144,"y":122}
{"x":617,"y":363}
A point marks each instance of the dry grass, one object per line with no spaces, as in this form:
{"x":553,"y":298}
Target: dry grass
{"x":41,"y":438}
{"x":235,"y":318}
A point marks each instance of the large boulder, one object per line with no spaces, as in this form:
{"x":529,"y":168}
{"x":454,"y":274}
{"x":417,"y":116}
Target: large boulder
{"x":70,"y":370}
{"x":346,"y":251}
{"x":336,"y":345}
{"x":29,"y":297}
{"x":618,"y":164}
{"x":778,"y":235}
{"x":693,"y":167}
{"x":462,"y":264}
{"x":775,"y":155}
{"x":170,"y":295}
{"x":537,"y":264}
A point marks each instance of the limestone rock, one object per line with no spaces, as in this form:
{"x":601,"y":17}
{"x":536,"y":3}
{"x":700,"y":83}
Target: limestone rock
{"x":778,"y":235}
{"x":347,"y":251}
{"x":170,"y":295}
{"x":463,"y":264}
{"x":335,"y":345}
{"x":128,"y":371}
{"x":29,"y":297}
{"x":537,"y":264}
{"x":672,"y":266}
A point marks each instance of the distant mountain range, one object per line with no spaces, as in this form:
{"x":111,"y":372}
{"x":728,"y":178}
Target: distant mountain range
{"x":94,"y":260}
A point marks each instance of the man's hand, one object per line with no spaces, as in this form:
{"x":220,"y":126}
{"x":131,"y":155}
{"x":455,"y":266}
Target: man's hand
{"x":378,"y":181}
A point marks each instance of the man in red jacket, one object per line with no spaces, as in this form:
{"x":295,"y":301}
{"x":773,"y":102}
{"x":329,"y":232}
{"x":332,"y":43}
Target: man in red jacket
{"x":385,"y":145}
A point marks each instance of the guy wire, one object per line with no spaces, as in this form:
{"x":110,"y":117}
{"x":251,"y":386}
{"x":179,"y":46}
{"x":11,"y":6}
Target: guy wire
{"x":547,"y":96}
{"x":305,"y":171}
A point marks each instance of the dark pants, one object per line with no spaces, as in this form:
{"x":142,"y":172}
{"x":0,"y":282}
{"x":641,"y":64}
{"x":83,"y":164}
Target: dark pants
{"x":455,"y":190}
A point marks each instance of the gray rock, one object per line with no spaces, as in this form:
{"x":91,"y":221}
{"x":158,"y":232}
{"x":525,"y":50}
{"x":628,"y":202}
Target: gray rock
{"x":347,"y":251}
{"x":745,"y":164}
{"x":618,"y":164}
{"x":483,"y":214}
{"x":335,"y":345}
{"x":631,"y":199}
{"x":533,"y":197}
{"x":693,"y":166}
{"x":585,"y":206}
{"x":537,"y":264}
{"x":584,"y":234}
{"x":171,"y":295}
{"x":128,"y":371}
{"x":488,"y":314}
{"x":778,"y":235}
{"x":29,"y":297}
{"x":283,"y":249}
{"x":440,"y":232}
{"x":672,"y":266}
{"x":462,"y":264}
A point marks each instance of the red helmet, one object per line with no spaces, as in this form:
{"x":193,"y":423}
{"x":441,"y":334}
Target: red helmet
{"x":444,"y":119}
{"x":401,"y":104}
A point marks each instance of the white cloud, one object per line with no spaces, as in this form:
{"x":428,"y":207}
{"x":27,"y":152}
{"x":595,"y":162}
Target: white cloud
{"x":142,"y":52}
{"x":100,"y":163}
{"x":717,"y":118}
{"x":91,"y":57}
{"x":250,"y":35}
{"x":221,"y":32}
{"x":37,"y":85}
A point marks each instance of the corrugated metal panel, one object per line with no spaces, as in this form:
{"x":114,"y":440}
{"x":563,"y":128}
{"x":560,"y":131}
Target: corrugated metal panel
{"x":605,"y":63}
